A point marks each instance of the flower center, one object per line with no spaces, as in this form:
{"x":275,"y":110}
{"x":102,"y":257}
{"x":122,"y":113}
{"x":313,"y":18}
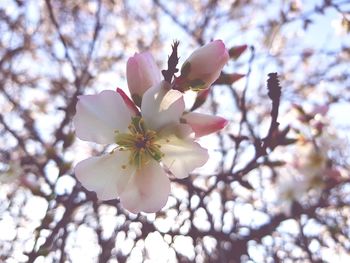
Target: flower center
{"x":316,"y":159}
{"x":140,"y":141}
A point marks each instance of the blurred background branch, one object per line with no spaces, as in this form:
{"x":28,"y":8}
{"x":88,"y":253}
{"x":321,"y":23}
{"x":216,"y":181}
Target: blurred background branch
{"x":52,"y":51}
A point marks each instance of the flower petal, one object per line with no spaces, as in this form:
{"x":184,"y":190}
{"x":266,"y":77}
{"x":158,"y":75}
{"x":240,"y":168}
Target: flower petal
{"x":147,"y":190}
{"x":182,"y":155}
{"x":142,"y":73}
{"x":162,"y":106}
{"x":204,"y":124}
{"x":99,"y":116}
{"x":106,"y":175}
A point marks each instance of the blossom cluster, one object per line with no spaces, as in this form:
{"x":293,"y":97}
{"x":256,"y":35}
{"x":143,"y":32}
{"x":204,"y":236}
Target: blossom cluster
{"x":311,"y":167}
{"x":154,"y":137}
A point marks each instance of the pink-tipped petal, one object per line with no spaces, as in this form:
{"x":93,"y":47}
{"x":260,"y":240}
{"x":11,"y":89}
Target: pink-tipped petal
{"x":99,"y":116}
{"x":203,"y":124}
{"x":128,"y":102}
{"x":147,"y":190}
{"x":142,"y":73}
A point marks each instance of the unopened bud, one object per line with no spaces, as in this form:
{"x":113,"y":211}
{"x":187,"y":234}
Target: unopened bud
{"x":237,"y":51}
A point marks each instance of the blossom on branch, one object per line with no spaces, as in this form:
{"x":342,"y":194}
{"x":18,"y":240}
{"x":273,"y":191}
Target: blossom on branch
{"x":146,"y":146}
{"x":312,"y":166}
{"x":153,"y":134}
{"x":203,"y":66}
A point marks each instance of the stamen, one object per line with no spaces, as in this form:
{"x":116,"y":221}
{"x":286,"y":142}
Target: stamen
{"x":141,"y":143}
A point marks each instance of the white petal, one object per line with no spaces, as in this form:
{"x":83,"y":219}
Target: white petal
{"x":162,"y":106}
{"x":147,"y":191}
{"x":182,"y":155}
{"x":99,"y":116}
{"x":106,"y":175}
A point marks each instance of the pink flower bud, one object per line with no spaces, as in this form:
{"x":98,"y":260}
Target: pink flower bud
{"x":203,"y":67}
{"x":203,"y":124}
{"x":142,"y":73}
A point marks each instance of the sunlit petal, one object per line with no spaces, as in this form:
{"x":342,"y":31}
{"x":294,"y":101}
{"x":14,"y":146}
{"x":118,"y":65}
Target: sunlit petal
{"x":182,"y":155}
{"x":99,"y":116}
{"x":162,"y":106}
{"x":147,"y":190}
{"x":106,"y":175}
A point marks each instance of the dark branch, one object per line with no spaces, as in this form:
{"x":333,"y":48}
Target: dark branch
{"x":172,"y":63}
{"x":274,"y":87}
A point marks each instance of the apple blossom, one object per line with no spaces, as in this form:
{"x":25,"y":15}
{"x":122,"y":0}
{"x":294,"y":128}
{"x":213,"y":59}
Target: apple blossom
{"x":146,"y":146}
{"x":204,"y":66}
{"x":151,"y":142}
